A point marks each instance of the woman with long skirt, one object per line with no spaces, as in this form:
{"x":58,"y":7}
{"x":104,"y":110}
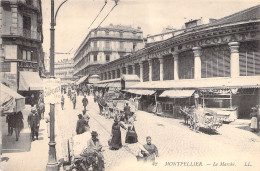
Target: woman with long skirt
{"x":116,"y":141}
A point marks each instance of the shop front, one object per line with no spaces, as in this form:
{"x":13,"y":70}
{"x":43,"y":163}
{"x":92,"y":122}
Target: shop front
{"x":30,"y":86}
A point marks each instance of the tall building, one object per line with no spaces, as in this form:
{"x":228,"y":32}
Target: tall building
{"x":106,"y":44}
{"x":21,"y":44}
{"x":64,"y":70}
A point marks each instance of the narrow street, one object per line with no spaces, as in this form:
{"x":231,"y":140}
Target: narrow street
{"x":175,"y":141}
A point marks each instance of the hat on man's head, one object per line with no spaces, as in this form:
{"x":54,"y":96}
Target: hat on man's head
{"x":80,"y":115}
{"x":94,"y":133}
{"x":33,"y":109}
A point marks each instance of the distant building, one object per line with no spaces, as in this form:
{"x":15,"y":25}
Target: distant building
{"x":106,"y":44}
{"x":170,"y":32}
{"x":21,"y":44}
{"x":64,"y":70}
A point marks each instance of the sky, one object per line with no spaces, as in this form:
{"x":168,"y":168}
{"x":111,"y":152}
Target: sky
{"x":75,"y":16}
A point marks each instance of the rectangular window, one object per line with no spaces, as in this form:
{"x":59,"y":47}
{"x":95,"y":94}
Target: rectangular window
{"x":121,"y":45}
{"x":107,"y":58}
{"x":186,"y":65}
{"x":215,"y":62}
{"x":26,"y":26}
{"x":107,"y":44}
{"x":95,"y":44}
{"x":121,"y":34}
{"x":95,"y":58}
{"x":107,"y":33}
{"x":249,"y":59}
{"x":29,"y":57}
{"x":24,"y":55}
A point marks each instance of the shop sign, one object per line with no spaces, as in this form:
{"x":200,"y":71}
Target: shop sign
{"x":52,"y":90}
{"x":5,"y":67}
{"x":27,"y":65}
{"x":216,"y":91}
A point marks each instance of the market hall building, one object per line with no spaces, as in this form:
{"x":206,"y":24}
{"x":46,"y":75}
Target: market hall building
{"x":219,"y":62}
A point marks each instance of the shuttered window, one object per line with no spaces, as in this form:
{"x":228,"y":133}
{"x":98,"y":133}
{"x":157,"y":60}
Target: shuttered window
{"x":137,"y":70}
{"x":155,"y":69}
{"x":168,"y":68}
{"x":130,"y":70}
{"x":186,"y":65}
{"x":249,"y":58}
{"x":215,"y":61}
{"x":145,"y":71}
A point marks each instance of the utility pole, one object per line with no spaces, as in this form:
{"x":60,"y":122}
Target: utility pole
{"x":52,"y":164}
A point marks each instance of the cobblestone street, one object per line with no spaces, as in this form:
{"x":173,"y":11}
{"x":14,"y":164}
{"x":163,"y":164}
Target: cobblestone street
{"x":175,"y":141}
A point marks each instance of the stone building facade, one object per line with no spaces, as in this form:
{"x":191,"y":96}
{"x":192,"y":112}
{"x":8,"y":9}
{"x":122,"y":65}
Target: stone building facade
{"x":106,"y":44}
{"x":64,"y":70}
{"x":21,"y":39}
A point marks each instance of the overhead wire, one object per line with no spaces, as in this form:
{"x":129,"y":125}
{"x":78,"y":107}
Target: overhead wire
{"x":107,"y":15}
{"x":98,"y":13}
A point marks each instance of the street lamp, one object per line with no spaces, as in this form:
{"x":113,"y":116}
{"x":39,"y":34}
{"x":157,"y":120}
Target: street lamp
{"x":52,"y":164}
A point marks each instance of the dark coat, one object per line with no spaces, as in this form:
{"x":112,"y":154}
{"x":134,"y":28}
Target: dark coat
{"x":116,"y":141}
{"x":131,"y":136}
{"x":18,"y":120}
{"x":33,"y":120}
{"x":81,"y":126}
{"x":85,"y":101}
{"x":127,"y":110}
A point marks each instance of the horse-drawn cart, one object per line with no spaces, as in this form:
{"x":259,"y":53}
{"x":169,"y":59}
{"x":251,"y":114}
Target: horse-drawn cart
{"x":203,"y":118}
{"x":115,"y":108}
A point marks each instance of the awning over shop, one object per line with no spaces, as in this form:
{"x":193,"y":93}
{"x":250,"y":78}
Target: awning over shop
{"x":30,"y":81}
{"x":82,"y":79}
{"x":225,"y":82}
{"x":102,"y":85}
{"x":177,"y":93}
{"x":132,"y":77}
{"x":10,"y":99}
{"x":93,"y":79}
{"x":142,"y":92}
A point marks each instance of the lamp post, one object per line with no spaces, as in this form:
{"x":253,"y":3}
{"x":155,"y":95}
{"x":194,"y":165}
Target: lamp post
{"x":52,"y":164}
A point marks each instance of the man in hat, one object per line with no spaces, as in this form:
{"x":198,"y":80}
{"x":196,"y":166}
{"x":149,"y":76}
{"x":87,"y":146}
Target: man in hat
{"x":127,"y":112}
{"x":94,"y":145}
{"x":34,"y":123}
{"x":152,"y":150}
{"x":81,"y":124}
{"x":85,"y":102}
{"x":74,"y":100}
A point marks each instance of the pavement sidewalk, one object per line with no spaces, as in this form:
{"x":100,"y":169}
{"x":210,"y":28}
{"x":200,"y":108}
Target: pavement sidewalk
{"x":24,"y":155}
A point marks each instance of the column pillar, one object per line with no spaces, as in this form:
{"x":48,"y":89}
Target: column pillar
{"x":133,"y":69}
{"x":121,"y":71}
{"x":126,"y":70}
{"x":197,"y":62}
{"x":234,"y":59}
{"x":176,"y":66}
{"x":111,"y":74}
{"x":14,"y":26}
{"x":150,"y":69}
{"x":161,"y":68}
{"x":141,"y":71}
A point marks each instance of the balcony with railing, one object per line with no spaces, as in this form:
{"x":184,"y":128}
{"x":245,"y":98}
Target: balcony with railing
{"x":20,"y":32}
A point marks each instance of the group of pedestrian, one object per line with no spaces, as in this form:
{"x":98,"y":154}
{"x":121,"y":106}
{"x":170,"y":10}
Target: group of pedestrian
{"x":82,"y":123}
{"x":15,"y":123}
